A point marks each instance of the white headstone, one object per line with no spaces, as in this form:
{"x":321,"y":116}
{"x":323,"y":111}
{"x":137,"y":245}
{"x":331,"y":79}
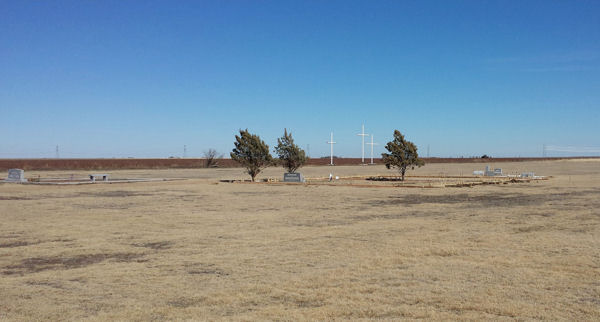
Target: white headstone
{"x":489,"y":172}
{"x":15,"y":175}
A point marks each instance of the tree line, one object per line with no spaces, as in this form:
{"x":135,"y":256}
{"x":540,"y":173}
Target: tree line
{"x":253,"y":153}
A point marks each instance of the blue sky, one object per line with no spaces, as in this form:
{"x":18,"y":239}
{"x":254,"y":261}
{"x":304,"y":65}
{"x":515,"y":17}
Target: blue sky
{"x":145,"y":78}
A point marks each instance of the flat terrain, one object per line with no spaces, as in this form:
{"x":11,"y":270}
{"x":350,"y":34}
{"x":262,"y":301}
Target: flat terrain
{"x":200,"y":249}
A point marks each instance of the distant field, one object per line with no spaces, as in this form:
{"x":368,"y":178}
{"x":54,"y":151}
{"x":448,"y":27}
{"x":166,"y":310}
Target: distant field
{"x":205,"y":250}
{"x":187,"y":163}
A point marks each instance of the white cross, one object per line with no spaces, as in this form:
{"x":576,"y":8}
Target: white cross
{"x":363,"y":142}
{"x":331,"y":143}
{"x":371,"y":144}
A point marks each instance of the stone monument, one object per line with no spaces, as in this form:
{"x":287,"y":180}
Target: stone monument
{"x":15,"y":175}
{"x":293,"y":177}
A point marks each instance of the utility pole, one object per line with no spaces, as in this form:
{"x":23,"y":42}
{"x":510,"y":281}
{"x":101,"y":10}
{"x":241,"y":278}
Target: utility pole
{"x":371,"y":144}
{"x":427,"y":150}
{"x":57,"y":154}
{"x":363,"y":143}
{"x":331,"y":143}
{"x":544,"y":150}
{"x":184,"y":151}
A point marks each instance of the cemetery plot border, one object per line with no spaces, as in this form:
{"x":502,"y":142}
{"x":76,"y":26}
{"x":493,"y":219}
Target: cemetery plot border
{"x":394,"y":182}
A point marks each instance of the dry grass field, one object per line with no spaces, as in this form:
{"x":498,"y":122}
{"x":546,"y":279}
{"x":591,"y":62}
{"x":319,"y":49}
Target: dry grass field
{"x":203,"y":250}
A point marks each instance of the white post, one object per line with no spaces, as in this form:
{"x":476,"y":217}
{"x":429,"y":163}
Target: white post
{"x":331,"y":143}
{"x":372,"y":144}
{"x":363,"y":142}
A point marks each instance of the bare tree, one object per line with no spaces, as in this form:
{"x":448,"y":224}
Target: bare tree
{"x":210,"y":158}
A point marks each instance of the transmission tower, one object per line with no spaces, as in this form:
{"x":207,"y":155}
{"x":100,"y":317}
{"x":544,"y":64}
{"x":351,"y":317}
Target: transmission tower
{"x":544,"y":150}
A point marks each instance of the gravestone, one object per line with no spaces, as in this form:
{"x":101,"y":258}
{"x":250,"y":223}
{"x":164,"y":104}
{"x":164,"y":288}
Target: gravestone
{"x":293,"y":177}
{"x":15,"y":175}
{"x":489,"y":173}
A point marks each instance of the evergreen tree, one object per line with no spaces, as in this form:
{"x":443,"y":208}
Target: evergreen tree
{"x":402,"y":154}
{"x":251,"y":152}
{"x":290,"y":155}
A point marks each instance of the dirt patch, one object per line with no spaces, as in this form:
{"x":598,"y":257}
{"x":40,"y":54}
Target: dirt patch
{"x":38,"y":264}
{"x":208,"y":269}
{"x":156,"y":245}
{"x":351,"y":220}
{"x":413,"y":214}
{"x":13,"y":198}
{"x":484,"y":200}
{"x":116,"y":206}
{"x":256,"y":193}
{"x":448,"y":199}
{"x":113,"y":194}
{"x":529,"y":229}
{"x":297,"y":301}
{"x":63,"y":240}
{"x":110,"y":194}
{"x":46,"y":283}
{"x":184,"y":302}
{"x":18,"y":244}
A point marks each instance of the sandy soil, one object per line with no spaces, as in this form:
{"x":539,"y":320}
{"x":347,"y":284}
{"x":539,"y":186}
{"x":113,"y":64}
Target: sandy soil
{"x":200,"y":249}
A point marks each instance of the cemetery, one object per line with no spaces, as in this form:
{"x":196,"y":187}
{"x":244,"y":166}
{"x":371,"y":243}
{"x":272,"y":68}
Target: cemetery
{"x":148,"y":170}
{"x":278,"y":238}
{"x":203,"y":247}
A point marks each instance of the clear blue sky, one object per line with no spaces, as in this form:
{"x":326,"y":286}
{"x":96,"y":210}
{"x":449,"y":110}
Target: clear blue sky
{"x":144,"y":78}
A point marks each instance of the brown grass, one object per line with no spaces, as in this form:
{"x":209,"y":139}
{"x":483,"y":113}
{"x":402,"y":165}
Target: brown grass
{"x":194,"y":249}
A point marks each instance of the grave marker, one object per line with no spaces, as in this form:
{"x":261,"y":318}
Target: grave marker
{"x":293,"y":177}
{"x":15,"y":175}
